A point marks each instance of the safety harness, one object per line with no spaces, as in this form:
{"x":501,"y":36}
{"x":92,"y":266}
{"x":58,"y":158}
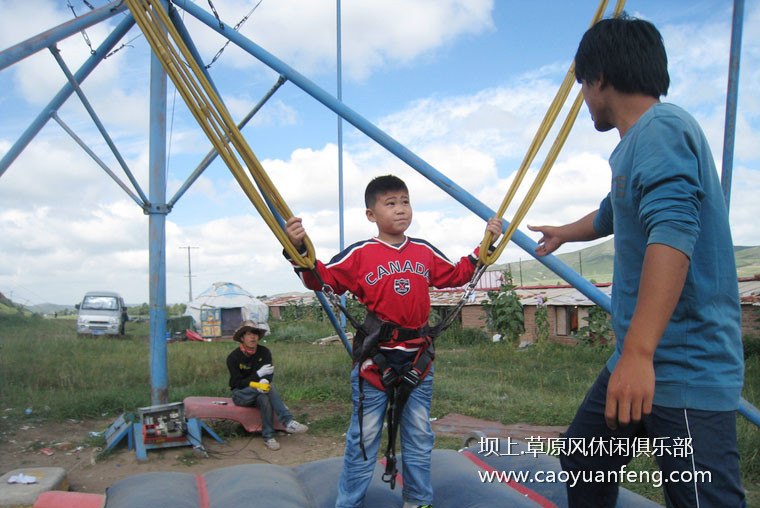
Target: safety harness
{"x":398,"y":384}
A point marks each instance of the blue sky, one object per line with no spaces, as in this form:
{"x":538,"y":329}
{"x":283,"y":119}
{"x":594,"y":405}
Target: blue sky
{"x":462,"y":83}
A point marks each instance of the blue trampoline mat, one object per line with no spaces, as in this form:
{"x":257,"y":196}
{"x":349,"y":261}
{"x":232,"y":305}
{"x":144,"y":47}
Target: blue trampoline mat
{"x":457,"y":479}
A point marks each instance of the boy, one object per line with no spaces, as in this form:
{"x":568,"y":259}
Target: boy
{"x":390,"y":274}
{"x":253,"y":362}
{"x":677,"y":371}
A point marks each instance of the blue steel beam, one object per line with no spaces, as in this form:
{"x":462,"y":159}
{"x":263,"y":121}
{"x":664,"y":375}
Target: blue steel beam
{"x":339,"y":327}
{"x":414,"y":161}
{"x":41,"y":41}
{"x":341,"y":222}
{"x":211,"y":155}
{"x":65,"y":92}
{"x":732,"y":99}
{"x":97,"y":159}
{"x":159,"y":374}
{"x":102,"y":128}
{"x":749,"y":411}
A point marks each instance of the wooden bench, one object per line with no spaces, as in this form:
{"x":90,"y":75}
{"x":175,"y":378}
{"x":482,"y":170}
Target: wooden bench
{"x":223,"y":407}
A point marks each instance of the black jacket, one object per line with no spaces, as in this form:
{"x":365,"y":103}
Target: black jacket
{"x":243,"y":368}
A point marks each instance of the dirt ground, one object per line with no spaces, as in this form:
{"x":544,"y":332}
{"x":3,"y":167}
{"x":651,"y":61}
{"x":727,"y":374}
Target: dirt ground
{"x":89,"y":470}
{"x":73,"y":450}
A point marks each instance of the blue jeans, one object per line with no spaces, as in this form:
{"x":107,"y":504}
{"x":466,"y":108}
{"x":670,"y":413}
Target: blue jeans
{"x":268,"y":403}
{"x":416,"y":444}
{"x":713,"y":443}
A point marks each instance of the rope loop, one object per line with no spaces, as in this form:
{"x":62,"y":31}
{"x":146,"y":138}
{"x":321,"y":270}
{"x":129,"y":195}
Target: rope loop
{"x":216,"y":122}
{"x":488,"y":258}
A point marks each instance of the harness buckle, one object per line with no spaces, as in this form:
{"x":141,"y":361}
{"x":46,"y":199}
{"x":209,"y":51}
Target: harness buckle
{"x":389,"y":377}
{"x":411,"y":377}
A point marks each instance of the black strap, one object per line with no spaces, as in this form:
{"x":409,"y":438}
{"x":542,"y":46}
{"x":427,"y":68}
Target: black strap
{"x":406,"y":381}
{"x":388,"y":375}
{"x":394,"y":416}
{"x":360,"y":416}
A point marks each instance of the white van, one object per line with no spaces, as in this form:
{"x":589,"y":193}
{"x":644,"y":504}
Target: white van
{"x":102,"y":313}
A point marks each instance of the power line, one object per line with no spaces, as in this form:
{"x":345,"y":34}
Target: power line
{"x":189,"y":273}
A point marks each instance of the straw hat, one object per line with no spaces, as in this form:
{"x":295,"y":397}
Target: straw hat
{"x":248,"y":326}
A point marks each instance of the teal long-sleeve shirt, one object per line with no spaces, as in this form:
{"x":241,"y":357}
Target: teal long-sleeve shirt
{"x":665,"y":190}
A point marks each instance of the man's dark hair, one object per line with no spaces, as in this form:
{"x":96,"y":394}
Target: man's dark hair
{"x":625,"y":52}
{"x":381,"y":185}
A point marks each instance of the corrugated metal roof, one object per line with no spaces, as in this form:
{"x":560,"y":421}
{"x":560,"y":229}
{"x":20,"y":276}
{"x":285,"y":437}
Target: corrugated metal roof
{"x":283,"y":299}
{"x":549,"y":295}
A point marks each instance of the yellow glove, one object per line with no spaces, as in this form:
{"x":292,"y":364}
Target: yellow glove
{"x":262,"y":386}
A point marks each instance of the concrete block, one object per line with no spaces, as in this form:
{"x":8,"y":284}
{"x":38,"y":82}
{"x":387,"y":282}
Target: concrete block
{"x":16,"y":495}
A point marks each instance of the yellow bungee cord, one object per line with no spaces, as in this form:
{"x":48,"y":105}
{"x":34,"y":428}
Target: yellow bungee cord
{"x":215,"y":120}
{"x":487,"y":258}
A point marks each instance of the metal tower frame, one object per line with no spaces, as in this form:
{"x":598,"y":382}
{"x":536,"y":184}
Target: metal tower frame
{"x":156,"y":206}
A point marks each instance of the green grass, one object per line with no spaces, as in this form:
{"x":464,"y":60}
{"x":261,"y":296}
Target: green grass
{"x":44,"y":366}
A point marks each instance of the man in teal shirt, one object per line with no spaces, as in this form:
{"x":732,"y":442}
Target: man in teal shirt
{"x":677,"y":371}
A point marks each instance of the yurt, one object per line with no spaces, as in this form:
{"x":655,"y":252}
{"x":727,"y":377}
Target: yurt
{"x":219,"y":310}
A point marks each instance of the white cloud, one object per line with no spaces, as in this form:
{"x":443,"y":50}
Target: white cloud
{"x":744,"y":207}
{"x":63,"y":255}
{"x":60,"y":173}
{"x":375,"y":34}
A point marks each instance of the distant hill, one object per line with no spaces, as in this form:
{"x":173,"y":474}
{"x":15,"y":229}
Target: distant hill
{"x":7,"y":306}
{"x":747,"y":260}
{"x":595,"y":263}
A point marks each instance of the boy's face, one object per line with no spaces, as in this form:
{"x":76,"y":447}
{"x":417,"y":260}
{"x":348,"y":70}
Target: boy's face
{"x":392,"y":213}
{"x":251,"y":339}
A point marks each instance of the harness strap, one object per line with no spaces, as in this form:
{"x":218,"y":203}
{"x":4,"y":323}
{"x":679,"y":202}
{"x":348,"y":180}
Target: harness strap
{"x":398,"y":386}
{"x":410,"y":378}
{"x":360,"y":417}
{"x":394,"y":412}
{"x":388,"y":375}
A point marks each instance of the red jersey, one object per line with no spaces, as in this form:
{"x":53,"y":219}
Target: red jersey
{"x":393,"y":281}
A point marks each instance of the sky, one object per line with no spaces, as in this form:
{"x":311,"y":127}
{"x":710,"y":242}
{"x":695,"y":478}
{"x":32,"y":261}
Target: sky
{"x":463,"y":84}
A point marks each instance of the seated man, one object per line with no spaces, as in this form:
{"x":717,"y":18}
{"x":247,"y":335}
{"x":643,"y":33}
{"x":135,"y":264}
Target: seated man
{"x":252,"y":362}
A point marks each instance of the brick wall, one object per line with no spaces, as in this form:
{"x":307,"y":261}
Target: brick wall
{"x":750,"y":320}
{"x":471,"y":315}
{"x":471,"y":319}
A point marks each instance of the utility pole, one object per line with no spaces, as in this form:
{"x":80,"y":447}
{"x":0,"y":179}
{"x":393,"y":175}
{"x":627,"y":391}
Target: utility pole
{"x":580,"y":263}
{"x":189,"y":273}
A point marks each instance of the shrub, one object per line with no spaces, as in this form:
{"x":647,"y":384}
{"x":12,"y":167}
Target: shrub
{"x":542,"y":324}
{"x":751,"y":346}
{"x":597,"y":331}
{"x":298,"y":311}
{"x":504,"y":314}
